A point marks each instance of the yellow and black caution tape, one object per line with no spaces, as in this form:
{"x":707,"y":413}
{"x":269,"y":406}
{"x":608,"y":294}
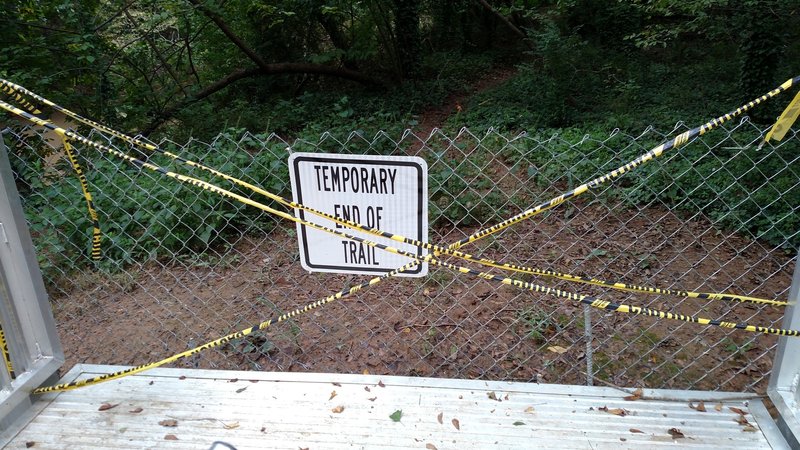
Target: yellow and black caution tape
{"x":785,"y":121}
{"x":654,"y":153}
{"x":6,"y":355}
{"x":419,"y":259}
{"x":591,"y":301}
{"x":428,"y":258}
{"x":10,"y":90}
{"x":226,"y":193}
{"x":451,"y":250}
{"x":96,"y":235}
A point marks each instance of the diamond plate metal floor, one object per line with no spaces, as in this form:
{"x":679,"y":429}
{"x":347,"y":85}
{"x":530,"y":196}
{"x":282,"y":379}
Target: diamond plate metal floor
{"x":184,"y":408}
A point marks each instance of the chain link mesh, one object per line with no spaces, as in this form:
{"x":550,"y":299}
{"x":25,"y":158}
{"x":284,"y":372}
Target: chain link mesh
{"x":182,"y":266}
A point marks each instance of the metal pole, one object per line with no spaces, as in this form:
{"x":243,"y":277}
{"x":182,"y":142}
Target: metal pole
{"x":783,"y":383}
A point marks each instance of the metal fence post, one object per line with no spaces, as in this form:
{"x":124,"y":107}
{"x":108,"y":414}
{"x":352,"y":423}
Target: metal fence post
{"x":783,"y":384}
{"x":25,"y":313}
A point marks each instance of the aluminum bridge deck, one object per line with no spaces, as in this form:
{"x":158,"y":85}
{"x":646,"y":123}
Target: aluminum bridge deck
{"x":185,"y":408}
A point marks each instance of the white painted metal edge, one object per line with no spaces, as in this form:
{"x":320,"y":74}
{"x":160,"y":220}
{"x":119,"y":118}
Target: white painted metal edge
{"x":89,"y":370}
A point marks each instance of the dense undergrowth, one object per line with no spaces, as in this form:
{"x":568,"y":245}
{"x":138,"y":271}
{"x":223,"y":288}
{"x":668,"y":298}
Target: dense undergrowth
{"x":579,"y":99}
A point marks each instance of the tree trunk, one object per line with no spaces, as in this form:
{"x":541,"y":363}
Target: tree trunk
{"x":409,"y":42}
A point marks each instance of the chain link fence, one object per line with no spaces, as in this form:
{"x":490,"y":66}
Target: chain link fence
{"x":182,"y":266}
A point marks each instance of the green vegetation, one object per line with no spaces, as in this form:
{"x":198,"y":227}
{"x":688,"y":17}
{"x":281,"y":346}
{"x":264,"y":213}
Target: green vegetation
{"x":579,"y":69}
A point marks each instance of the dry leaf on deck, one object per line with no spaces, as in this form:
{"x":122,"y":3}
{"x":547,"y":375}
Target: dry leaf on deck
{"x":492,"y":395}
{"x":676,"y":433}
{"x":701,"y":406}
{"x":749,"y":429}
{"x":737,"y":410}
{"x":380,"y":383}
{"x":614,"y":411}
{"x":529,"y":409}
{"x":170,"y":437}
{"x":719,"y":406}
{"x":337,"y":384}
{"x":439,"y":417}
{"x":30,"y":444}
{"x":338,"y":409}
{"x":333,"y":394}
{"x":431,"y":447}
{"x":230,"y":426}
{"x":456,"y":424}
{"x":637,"y":394}
{"x":136,"y":411}
{"x":168,"y":423}
{"x":107,"y":406}
{"x":741,"y":420}
{"x":636,"y":430}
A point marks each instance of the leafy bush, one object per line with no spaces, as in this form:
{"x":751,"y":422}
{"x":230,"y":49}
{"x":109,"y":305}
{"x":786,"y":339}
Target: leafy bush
{"x":144,"y":214}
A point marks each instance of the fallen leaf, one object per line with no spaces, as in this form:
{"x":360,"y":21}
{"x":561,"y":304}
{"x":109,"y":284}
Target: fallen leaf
{"x":701,"y":406}
{"x":263,"y":429}
{"x":675,"y":433}
{"x":749,"y":429}
{"x":557,"y":349}
{"x":136,"y":410}
{"x":337,"y":384}
{"x":338,"y":409}
{"x":636,"y":430}
{"x":614,"y":411}
{"x":530,"y":409}
{"x":365,"y":372}
{"x":151,"y":383}
{"x":107,"y":406}
{"x":637,"y":394}
{"x":396,"y":415}
{"x":439,"y":418}
{"x":506,"y":397}
{"x":457,"y":424}
{"x":380,"y":383}
{"x":366,"y":388}
{"x":170,"y":437}
{"x":168,"y":423}
{"x":30,"y":444}
{"x":254,"y":381}
{"x":519,"y":422}
{"x":302,"y":448}
{"x":240,"y":390}
{"x":372,"y":399}
{"x":233,"y":380}
{"x":230,"y":426}
{"x":431,"y":447}
{"x":737,"y":410}
{"x":333,"y":394}
{"x":741,"y":420}
{"x":182,"y":377}
{"x":719,"y":406}
{"x":492,"y":395}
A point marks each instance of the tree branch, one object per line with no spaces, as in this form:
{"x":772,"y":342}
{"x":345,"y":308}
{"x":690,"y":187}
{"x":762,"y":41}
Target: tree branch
{"x":507,"y":23}
{"x":223,"y":26}
{"x":155,"y":49}
{"x":239,"y":74}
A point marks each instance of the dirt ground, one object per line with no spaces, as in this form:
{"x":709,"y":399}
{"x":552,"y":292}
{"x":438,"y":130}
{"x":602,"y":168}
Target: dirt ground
{"x":448,"y":325}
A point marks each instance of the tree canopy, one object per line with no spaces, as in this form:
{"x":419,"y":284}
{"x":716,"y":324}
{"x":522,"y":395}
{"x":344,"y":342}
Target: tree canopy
{"x":151,"y":64}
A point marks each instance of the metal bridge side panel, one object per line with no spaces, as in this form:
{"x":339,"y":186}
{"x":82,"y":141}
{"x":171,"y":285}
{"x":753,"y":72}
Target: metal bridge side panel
{"x":785,"y":376}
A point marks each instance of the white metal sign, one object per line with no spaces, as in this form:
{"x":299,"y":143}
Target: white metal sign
{"x":388,"y":193}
